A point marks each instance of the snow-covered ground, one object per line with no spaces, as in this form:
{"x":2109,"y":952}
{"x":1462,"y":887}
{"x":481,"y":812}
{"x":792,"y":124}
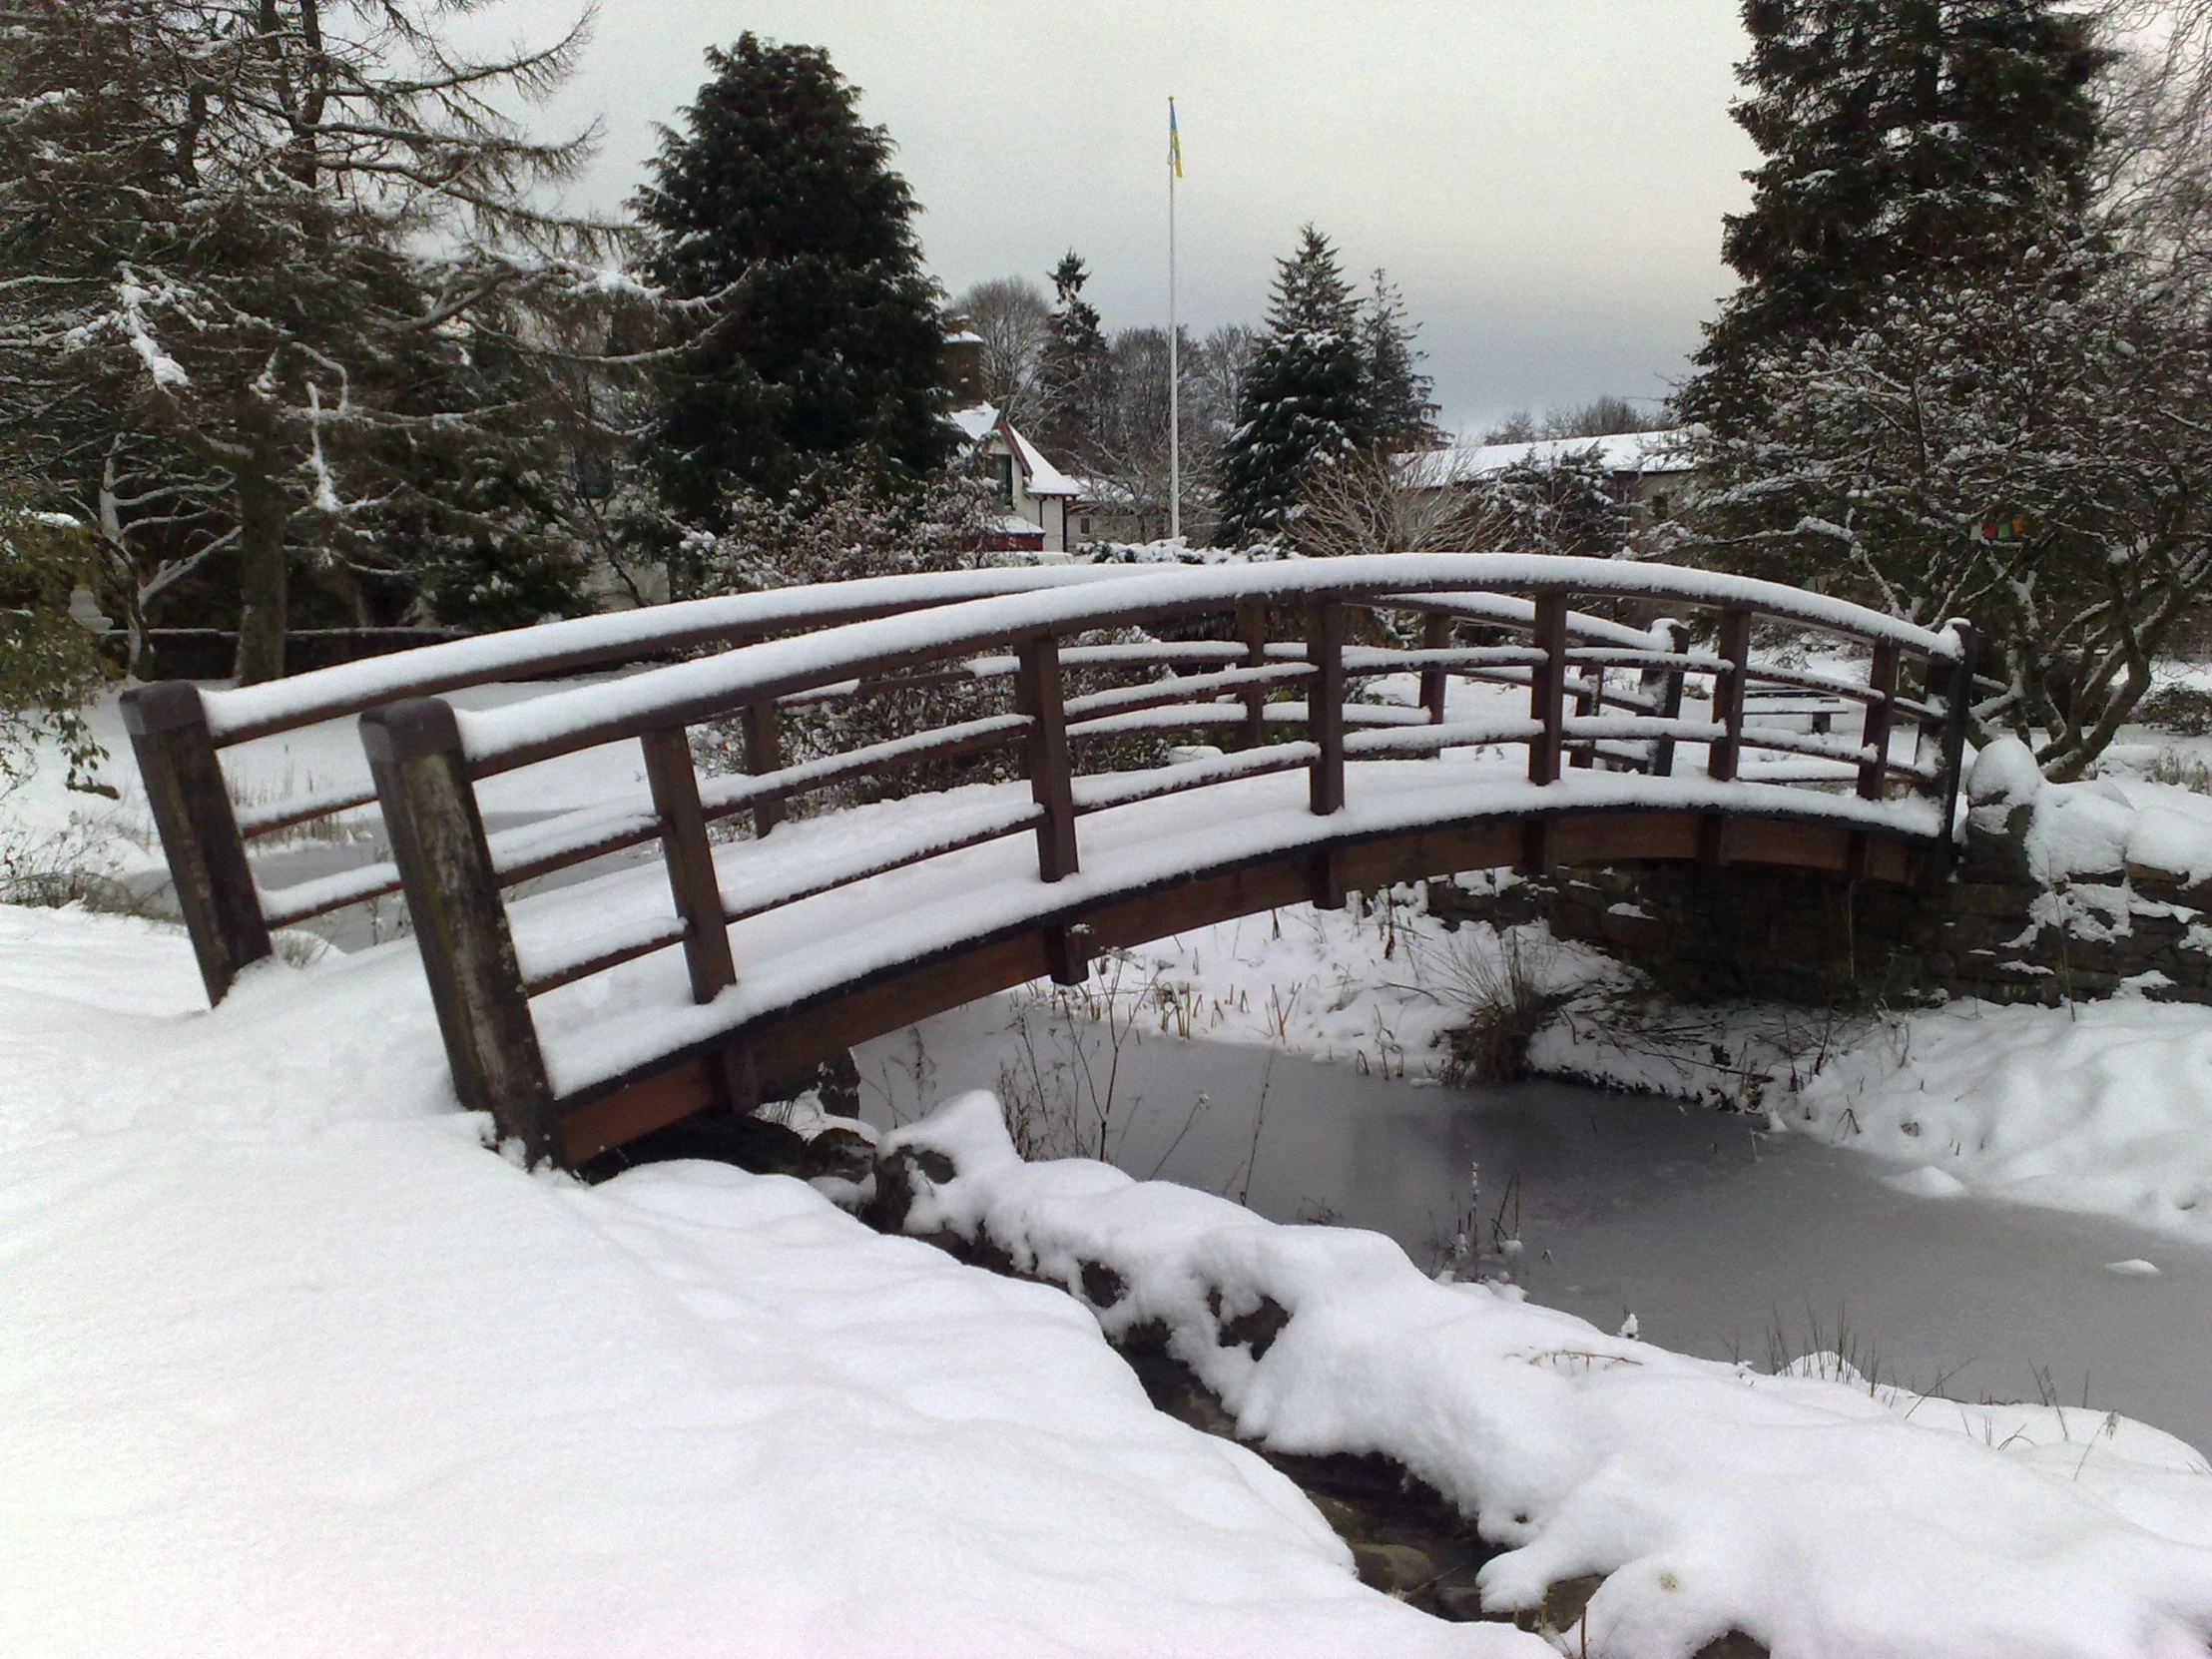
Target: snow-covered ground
{"x":288,"y":1361}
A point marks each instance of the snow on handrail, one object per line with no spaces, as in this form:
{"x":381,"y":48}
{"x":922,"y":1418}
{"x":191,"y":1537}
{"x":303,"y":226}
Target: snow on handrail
{"x":497,"y":739}
{"x":245,"y":712}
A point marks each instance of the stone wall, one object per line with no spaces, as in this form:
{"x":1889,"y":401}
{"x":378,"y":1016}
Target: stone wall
{"x":1996,"y":930}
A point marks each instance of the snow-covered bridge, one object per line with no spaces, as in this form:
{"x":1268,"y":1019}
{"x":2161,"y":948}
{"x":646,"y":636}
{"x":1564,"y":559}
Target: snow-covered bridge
{"x":1091,"y":757}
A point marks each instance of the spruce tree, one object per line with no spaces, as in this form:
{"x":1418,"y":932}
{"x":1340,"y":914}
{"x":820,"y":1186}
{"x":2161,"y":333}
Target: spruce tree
{"x":1305,"y":398}
{"x":1404,"y":414}
{"x":1895,"y":133}
{"x":254,"y":258}
{"x":776,"y":211}
{"x":1074,"y":387}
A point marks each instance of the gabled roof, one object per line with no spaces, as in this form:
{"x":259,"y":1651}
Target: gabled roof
{"x":1038,"y":475}
{"x":1638,"y":453}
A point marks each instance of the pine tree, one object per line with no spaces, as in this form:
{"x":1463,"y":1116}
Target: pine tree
{"x":1305,"y":398}
{"x":257,"y":254}
{"x":1896,"y":132}
{"x":1404,"y":414}
{"x":1074,"y":381}
{"x":776,"y":212}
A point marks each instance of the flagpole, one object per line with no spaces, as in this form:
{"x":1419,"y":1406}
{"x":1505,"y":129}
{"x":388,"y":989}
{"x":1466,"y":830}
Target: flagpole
{"x":1175,"y":376}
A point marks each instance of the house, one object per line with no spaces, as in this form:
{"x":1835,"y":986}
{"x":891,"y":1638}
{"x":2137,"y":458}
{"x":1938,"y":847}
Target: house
{"x":1036,"y":494}
{"x":1652,"y":472}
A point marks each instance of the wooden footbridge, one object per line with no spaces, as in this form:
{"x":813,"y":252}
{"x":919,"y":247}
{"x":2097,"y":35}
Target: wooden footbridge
{"x":1016,"y":769}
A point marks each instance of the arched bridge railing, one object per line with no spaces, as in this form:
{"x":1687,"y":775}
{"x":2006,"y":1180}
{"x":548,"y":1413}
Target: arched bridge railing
{"x":1343,"y":671}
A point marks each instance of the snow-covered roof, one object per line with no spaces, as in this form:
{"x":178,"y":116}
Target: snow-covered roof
{"x":1039,"y":476}
{"x":975,"y":421}
{"x":1638,"y":453}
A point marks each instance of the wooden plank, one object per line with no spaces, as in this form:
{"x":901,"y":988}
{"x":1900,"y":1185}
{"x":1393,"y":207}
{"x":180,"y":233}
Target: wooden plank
{"x":690,"y":861}
{"x":1324,"y":705}
{"x":686,"y":1087}
{"x":1611,"y":837}
{"x":1547,"y":687}
{"x":190,"y":805}
{"x":460,"y":926}
{"x":1038,"y":695}
{"x":1252,"y":633}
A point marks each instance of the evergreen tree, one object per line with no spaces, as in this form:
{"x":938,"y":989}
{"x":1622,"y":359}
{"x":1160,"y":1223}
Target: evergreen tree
{"x":1404,"y":414}
{"x":1304,"y":400}
{"x":776,"y":213}
{"x":255,"y":254}
{"x":1895,"y":131}
{"x":1074,"y":383}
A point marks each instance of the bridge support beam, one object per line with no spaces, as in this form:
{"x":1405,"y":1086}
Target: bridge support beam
{"x":460,"y":926}
{"x":1324,"y":704}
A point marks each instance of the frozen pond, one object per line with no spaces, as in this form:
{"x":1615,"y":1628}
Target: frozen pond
{"x":1720,"y":1242}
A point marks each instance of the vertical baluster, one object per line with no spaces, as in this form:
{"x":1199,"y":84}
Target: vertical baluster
{"x":460,"y":925}
{"x":1324,"y":705}
{"x":1957,"y":711}
{"x":763,"y":754}
{"x":1882,"y":676}
{"x":1726,"y":753}
{"x":1589,"y":701}
{"x":690,"y":861}
{"x":1670,"y":696}
{"x":1252,"y":630}
{"x":1435,"y":635}
{"x":1547,"y":687}
{"x":192,"y":810}
{"x":1037,"y":694}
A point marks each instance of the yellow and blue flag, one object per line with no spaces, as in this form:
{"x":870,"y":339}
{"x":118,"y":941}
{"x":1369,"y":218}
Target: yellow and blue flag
{"x":1175,"y":141}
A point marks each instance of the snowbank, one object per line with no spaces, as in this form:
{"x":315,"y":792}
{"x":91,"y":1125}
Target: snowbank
{"x":1815,"y":1516}
{"x":293,"y":1364}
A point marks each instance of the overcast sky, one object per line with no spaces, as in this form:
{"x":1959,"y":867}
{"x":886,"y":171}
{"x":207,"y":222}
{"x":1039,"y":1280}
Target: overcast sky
{"x":1544,"y":179}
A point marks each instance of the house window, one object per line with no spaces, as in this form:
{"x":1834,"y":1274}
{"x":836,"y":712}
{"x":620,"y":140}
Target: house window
{"x":1002,"y":471}
{"x":1086,"y":526}
{"x":1659,"y":505}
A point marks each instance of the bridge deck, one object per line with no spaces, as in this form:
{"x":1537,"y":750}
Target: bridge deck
{"x":600,"y":1031}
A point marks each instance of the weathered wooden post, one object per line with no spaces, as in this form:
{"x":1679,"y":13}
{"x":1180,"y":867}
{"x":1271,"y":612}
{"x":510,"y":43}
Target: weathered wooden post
{"x":689,"y":859}
{"x":1435,"y":635}
{"x":1252,"y":631}
{"x":1882,"y":678}
{"x":1547,"y":691}
{"x":1324,"y":729}
{"x":1725,"y":752}
{"x":1957,"y":715}
{"x":1670,"y":696}
{"x":192,"y":810}
{"x":763,"y":752}
{"x":1039,"y":694}
{"x":1547,"y":688}
{"x":460,"y":925}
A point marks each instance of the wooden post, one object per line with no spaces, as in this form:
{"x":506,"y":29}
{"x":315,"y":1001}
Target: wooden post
{"x":1547,"y":687}
{"x":763,"y":752}
{"x":1324,"y":705}
{"x":1435,"y":635}
{"x":199,"y":829}
{"x":690,"y":861}
{"x":1881,"y":676}
{"x":1587,"y":701}
{"x":1957,"y":713}
{"x":1252,"y":630}
{"x":460,"y":925}
{"x":1045,"y":754}
{"x":1670,"y":699}
{"x":1728,"y":695}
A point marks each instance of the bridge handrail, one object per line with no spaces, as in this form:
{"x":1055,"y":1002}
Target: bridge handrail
{"x":428,"y":756}
{"x":498,"y":739}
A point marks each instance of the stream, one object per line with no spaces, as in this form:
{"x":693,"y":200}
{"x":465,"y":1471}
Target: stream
{"x":1721,"y":1239}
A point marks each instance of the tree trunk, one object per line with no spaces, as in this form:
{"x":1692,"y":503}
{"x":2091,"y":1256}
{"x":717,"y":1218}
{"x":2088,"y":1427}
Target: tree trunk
{"x":263,"y":512}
